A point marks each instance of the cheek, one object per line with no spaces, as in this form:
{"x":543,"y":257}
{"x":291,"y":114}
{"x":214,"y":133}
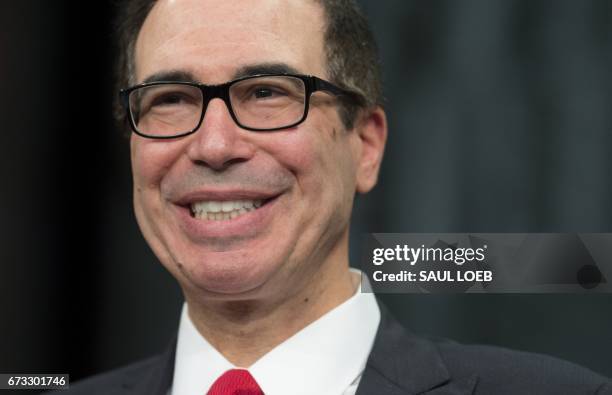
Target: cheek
{"x":321,"y":161}
{"x":297,"y":153}
{"x":151,"y":160}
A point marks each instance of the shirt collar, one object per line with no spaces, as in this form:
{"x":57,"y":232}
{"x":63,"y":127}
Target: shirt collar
{"x":323,"y":358}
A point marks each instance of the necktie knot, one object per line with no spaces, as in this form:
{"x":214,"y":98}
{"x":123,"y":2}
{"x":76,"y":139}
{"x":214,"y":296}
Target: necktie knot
{"x":235,"y":382}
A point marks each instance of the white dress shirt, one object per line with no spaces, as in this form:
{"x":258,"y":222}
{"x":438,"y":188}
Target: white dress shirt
{"x":327,"y":357}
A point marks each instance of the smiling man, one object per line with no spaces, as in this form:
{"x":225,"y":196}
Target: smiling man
{"x":243,"y":187}
{"x":254,"y":124}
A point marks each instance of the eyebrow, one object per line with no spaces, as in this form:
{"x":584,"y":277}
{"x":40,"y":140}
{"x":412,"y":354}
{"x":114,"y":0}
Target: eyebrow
{"x":244,"y":71}
{"x":171,"y":75}
{"x":265,"y":68}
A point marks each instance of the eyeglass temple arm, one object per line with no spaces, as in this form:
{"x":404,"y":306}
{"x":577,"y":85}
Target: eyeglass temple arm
{"x":322,"y":85}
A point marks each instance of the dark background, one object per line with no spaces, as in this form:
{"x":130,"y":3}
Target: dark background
{"x":499,"y":122}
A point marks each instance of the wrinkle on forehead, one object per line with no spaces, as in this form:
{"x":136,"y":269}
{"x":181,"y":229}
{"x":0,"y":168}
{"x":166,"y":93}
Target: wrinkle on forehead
{"x":221,"y":34}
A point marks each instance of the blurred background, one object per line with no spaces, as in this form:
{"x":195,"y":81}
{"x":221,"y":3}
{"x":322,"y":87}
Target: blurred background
{"x":499,"y":114}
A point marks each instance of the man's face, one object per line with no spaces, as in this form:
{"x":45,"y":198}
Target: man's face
{"x":304,"y":177}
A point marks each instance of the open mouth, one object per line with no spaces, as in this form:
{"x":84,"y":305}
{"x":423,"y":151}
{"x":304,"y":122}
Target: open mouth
{"x":217,"y":210}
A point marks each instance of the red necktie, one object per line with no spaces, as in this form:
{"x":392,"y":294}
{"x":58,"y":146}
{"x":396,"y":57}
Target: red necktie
{"x":235,"y":382}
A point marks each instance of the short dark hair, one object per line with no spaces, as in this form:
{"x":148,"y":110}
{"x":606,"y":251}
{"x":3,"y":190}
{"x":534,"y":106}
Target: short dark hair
{"x":351,"y":51}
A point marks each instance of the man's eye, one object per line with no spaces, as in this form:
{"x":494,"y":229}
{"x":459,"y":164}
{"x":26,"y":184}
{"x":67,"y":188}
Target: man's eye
{"x":168,"y":99}
{"x":263,"y":92}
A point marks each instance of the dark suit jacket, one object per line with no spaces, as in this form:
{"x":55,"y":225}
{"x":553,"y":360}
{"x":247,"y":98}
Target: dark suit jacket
{"x":400,"y":364}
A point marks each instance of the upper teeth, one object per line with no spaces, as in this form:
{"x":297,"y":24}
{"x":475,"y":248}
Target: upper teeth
{"x":226,"y":206}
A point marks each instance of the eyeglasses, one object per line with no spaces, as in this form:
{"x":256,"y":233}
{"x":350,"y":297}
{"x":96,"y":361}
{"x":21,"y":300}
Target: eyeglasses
{"x":260,"y":103}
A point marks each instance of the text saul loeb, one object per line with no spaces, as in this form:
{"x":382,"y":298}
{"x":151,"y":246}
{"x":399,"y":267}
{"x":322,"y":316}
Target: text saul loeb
{"x":434,"y":255}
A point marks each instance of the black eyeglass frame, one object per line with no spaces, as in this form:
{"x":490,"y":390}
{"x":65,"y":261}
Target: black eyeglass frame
{"x":311,"y":83}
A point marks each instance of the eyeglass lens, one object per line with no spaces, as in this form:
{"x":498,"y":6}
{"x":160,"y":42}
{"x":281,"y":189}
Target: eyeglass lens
{"x":266,"y":102}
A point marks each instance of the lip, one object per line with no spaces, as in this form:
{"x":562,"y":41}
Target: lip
{"x":244,"y":226}
{"x":222,"y":195}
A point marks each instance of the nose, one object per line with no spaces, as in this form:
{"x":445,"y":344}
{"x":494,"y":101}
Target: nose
{"x":218,"y":142}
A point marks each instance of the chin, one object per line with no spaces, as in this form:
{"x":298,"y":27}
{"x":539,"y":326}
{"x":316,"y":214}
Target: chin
{"x":226,"y":274}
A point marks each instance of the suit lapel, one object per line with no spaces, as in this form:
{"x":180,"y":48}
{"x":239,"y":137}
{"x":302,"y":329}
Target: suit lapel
{"x":401,"y":363}
{"x":157,"y":379}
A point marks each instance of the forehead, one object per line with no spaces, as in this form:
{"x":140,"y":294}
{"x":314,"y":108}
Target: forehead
{"x":213,"y":38}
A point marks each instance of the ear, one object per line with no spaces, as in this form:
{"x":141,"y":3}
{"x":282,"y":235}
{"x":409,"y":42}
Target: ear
{"x":372,"y":133}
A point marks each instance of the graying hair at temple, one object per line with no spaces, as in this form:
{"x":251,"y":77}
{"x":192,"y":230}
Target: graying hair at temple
{"x":351,"y":51}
